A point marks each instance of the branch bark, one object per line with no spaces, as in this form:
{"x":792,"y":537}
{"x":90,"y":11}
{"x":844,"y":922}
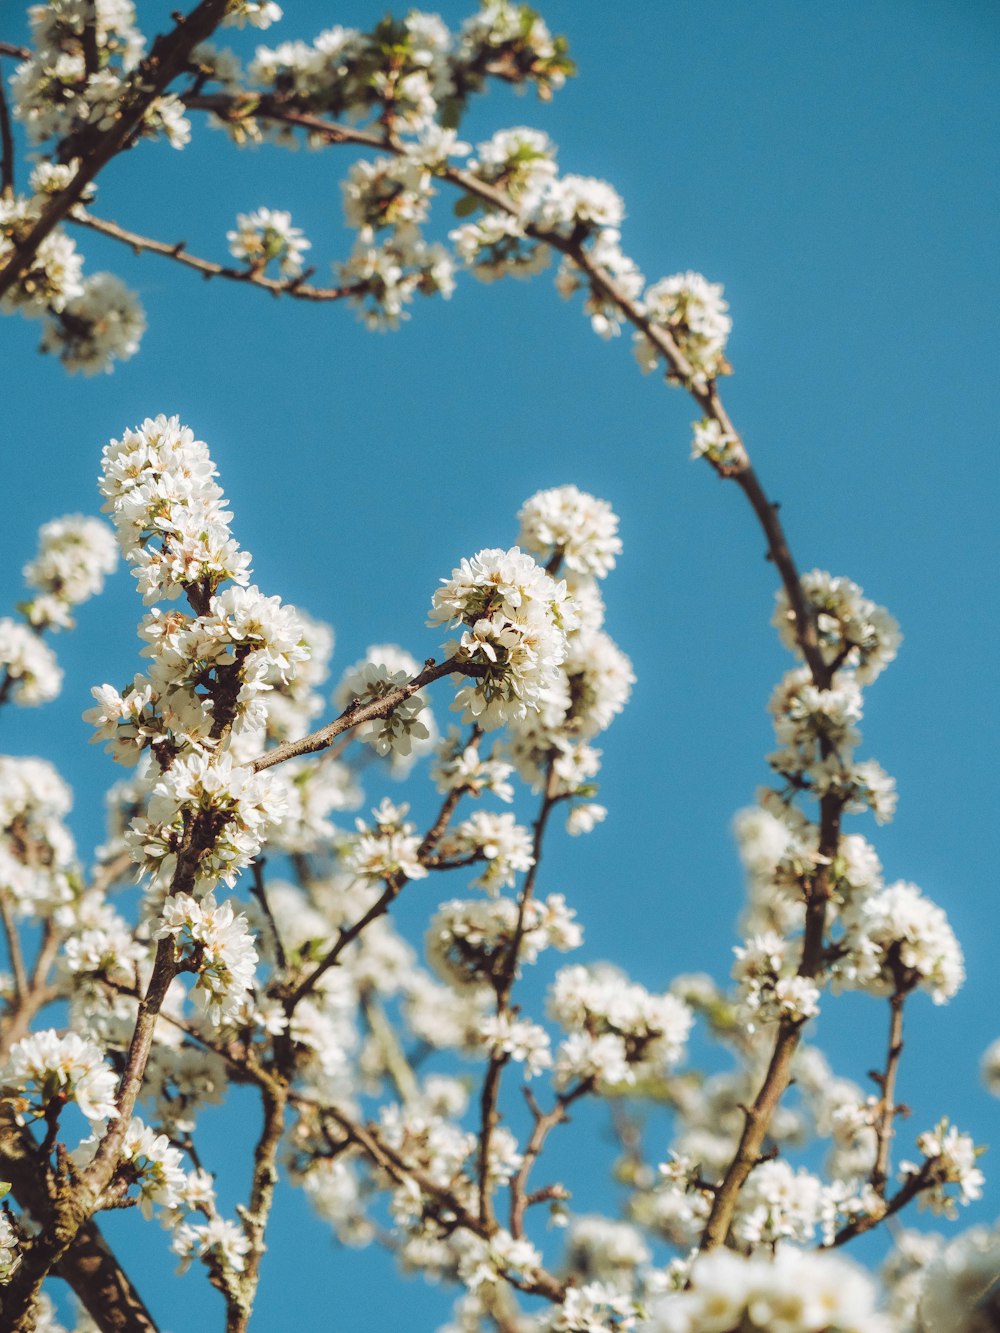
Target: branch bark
{"x":168,"y":57}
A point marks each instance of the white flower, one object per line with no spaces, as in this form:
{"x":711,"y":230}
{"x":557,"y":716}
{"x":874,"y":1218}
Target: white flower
{"x":404,"y":732}
{"x":647,"y":1033}
{"x":238,"y":805}
{"x":267,"y":236}
{"x":951,"y":1159}
{"x":569,"y":523}
{"x":102,"y":324}
{"x":852,"y":630}
{"x":990,"y":1067}
{"x":10,"y":1257}
{"x":779,"y":1203}
{"x":52,"y":1070}
{"x":695,"y":313}
{"x":959,"y":1287}
{"x":149,"y":1161}
{"x":712,"y":442}
{"x":159,"y":487}
{"x":792,"y":1291}
{"x":469,"y":942}
{"x":561,"y":204}
{"x":461,"y":767}
{"x":505,"y":846}
{"x":28,"y":665}
{"x":218,"y":1241}
{"x":219,"y":947}
{"x":390,"y":849}
{"x":518,"y":1038}
{"x":75,"y":553}
{"x":514,"y":619}
{"x":896,"y":940}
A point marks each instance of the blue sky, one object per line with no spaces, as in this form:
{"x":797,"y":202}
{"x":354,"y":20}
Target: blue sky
{"x":836,"y":168}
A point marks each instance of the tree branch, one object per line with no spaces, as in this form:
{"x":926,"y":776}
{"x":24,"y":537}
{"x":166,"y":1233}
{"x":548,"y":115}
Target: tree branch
{"x":887,"y":1106}
{"x":488,"y":1113}
{"x":545,"y":1122}
{"x":295,"y":287}
{"x":274,"y":1098}
{"x":6,"y":147}
{"x":357,"y":713}
{"x":95,"y":148}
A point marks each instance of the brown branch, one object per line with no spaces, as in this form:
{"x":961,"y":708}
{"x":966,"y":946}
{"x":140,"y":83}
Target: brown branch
{"x":367,"y":1137}
{"x":394,"y":886}
{"x":916,"y":1184}
{"x":75,"y":1199}
{"x":295,"y":287}
{"x":545,"y":1122}
{"x":396,"y":1064}
{"x":18,"y":52}
{"x":887,"y":1107}
{"x":6,"y":147}
{"x":95,"y":148}
{"x":260,"y":893}
{"x":705,"y":393}
{"x":488,"y":1113}
{"x":14,"y":950}
{"x":757,"y":1116}
{"x":357,"y":713}
{"x":89,"y":1265}
{"x":255,"y":1217}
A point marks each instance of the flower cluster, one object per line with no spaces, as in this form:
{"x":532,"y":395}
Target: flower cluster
{"x":566,"y":524}
{"x":215,"y":943}
{"x":949,"y":1160}
{"x":75,"y":554}
{"x":31,"y":674}
{"x":45,"y":1071}
{"x":853,"y":631}
{"x":514,"y":619}
{"x":266,"y":236}
{"x":408,"y":729}
{"x":792,"y":1292}
{"x":470,"y":942}
{"x":207,"y":817}
{"x":619,"y":1033}
{"x":38,"y":865}
{"x":694,"y":313}
{"x":159,"y":487}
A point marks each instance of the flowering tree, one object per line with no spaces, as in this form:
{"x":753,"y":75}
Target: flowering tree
{"x":182,"y":963}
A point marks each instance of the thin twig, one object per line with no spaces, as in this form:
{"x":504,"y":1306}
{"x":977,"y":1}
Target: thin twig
{"x":94,"y":148}
{"x":260,"y":893}
{"x":14,"y":949}
{"x":356,"y":714}
{"x":545,"y":1122}
{"x":915,"y":1184}
{"x":396,"y":1064}
{"x":488,"y":1113}
{"x":394,"y":886}
{"x":887,"y":1106}
{"x":6,"y":147}
{"x":367,"y":1137}
{"x":255,"y":1217}
{"x":295,"y":287}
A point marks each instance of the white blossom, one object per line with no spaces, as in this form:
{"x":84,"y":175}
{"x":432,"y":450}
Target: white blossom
{"x":51,"y":1070}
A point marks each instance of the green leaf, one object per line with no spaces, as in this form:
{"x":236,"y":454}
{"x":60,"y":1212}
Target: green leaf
{"x":466,"y":206}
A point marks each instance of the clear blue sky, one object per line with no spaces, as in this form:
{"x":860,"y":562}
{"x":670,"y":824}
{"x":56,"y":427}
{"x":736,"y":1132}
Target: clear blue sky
{"x":835,"y":166}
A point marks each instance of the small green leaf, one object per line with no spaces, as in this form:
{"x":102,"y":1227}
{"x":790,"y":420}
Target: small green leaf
{"x":466,"y":206}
